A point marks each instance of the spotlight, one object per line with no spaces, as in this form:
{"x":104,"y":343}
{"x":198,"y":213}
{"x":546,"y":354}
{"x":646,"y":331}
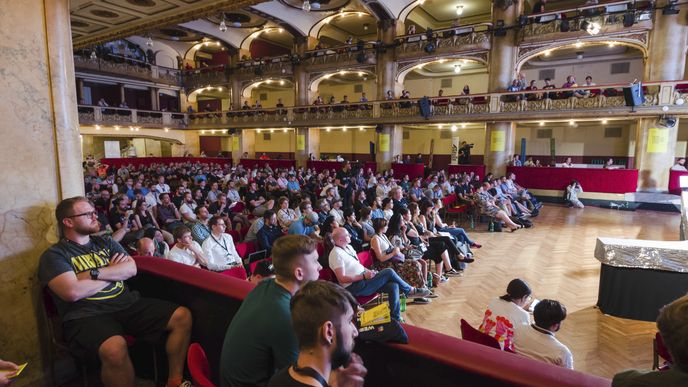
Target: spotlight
{"x":167,"y":130}
{"x":542,"y":123}
{"x":463,"y":126}
{"x":572,"y":123}
{"x":284,"y":130}
{"x":500,"y":30}
{"x":457,"y":68}
{"x":97,"y":127}
{"x":361,"y":129}
{"x":679,"y":101}
{"x":281,"y":82}
{"x":344,"y":129}
{"x":604,"y":122}
{"x":453,"y":128}
{"x":670,"y":9}
{"x":668,"y":121}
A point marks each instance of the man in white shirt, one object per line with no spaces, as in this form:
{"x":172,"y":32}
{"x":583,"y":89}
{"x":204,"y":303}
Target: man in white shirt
{"x":219,"y":248}
{"x":186,"y":250}
{"x":161,"y":187}
{"x":680,"y":165}
{"x":188,"y":208}
{"x":360,"y":281}
{"x":537,"y":341}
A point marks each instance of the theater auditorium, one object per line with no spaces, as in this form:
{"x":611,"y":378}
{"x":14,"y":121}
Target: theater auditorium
{"x":344,"y":193}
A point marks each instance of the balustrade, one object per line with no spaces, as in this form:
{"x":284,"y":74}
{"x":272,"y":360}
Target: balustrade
{"x":454,"y":39}
{"x":129,"y":67}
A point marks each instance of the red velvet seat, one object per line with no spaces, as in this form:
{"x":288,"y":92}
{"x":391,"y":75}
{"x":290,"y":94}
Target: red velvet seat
{"x":236,"y":235}
{"x":198,"y":366}
{"x":245,"y":248}
{"x":236,"y":272}
{"x":252,"y":265}
{"x":660,"y":350}
{"x":471,"y":334}
{"x":327,"y":274}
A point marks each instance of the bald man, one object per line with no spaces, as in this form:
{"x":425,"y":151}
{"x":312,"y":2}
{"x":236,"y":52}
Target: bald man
{"x":145,"y":247}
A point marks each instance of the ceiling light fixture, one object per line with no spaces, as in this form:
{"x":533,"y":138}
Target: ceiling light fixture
{"x":167,"y":130}
{"x":542,"y":123}
{"x":457,"y":68}
{"x":463,"y":126}
{"x":366,"y":26}
{"x":572,"y":122}
{"x":281,"y":82}
{"x":97,"y":127}
{"x":459,"y":10}
{"x":284,"y":130}
{"x":611,"y":44}
{"x":548,"y":52}
{"x":453,"y":128}
{"x":116,"y":127}
{"x":223,"y":25}
{"x":306,"y":6}
{"x":272,"y":130}
{"x":362,"y":129}
{"x":149,"y":42}
{"x":604,"y":122}
{"x":328,"y":129}
{"x":344,"y":129}
{"x":593,"y":28}
{"x":578,"y":44}
{"x":258,"y":130}
{"x":93,"y":55}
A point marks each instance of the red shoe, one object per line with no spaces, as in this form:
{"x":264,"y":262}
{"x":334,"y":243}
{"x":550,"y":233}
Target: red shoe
{"x":475,"y":245}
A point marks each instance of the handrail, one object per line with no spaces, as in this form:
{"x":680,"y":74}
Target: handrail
{"x":472,"y":27}
{"x":588,"y":7}
{"x":366,"y":46}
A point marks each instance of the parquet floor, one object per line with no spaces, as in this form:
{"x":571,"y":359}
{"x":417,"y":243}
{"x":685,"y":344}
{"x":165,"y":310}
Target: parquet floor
{"x":556,"y":258}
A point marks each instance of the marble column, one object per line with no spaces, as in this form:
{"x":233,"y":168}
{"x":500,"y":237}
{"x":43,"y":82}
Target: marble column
{"x":307,"y":143}
{"x":665,"y":63}
{"x":79,"y":89}
{"x":389,"y":144}
{"x":499,"y":145}
{"x":122,"y":93}
{"x":234,"y":83}
{"x":301,"y":79}
{"x":41,"y":148}
{"x":387,"y":66}
{"x":502,"y":70}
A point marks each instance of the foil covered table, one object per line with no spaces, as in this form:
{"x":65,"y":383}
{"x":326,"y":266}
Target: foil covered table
{"x":639,"y":277}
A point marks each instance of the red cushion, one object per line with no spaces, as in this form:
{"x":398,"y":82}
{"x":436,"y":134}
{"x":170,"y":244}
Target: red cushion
{"x":245,"y":248}
{"x":471,"y":334}
{"x":326,"y":274}
{"x":198,"y":366}
{"x":366,"y":258}
{"x":236,"y":272}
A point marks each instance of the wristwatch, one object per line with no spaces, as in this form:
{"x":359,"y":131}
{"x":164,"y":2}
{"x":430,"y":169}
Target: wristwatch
{"x":94,"y":274}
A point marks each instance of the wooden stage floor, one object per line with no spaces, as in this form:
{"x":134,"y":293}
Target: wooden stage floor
{"x":556,"y":258}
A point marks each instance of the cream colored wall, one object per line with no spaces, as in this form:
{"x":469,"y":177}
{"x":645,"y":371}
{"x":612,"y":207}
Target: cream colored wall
{"x":351,"y":141}
{"x":153,"y":147}
{"x":431,"y":86}
{"x":286,"y":95}
{"x":338,"y":91}
{"x":584,"y":140}
{"x":419,"y":140}
{"x":279,"y":141}
{"x":600,"y":72}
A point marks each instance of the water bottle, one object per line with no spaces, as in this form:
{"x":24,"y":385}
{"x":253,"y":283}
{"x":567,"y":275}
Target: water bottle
{"x":402,"y":303}
{"x":491,"y":229}
{"x":472,"y":223}
{"x":429,"y":284}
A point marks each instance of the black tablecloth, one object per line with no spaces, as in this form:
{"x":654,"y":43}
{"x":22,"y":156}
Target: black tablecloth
{"x":637,"y":293}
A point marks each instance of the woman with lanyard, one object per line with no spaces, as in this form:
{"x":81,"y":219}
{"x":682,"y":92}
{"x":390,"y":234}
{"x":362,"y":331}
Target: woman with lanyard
{"x":219,"y":248}
{"x":390,"y":256}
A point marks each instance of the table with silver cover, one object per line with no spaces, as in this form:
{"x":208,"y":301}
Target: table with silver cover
{"x":638,"y":277}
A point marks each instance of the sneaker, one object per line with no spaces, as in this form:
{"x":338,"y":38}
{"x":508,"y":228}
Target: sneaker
{"x":432,"y":295}
{"x":453,"y":273}
{"x":465,"y":259}
{"x":475,"y":245}
{"x":421,"y":301}
{"x":443,"y":279}
{"x":418,"y":292}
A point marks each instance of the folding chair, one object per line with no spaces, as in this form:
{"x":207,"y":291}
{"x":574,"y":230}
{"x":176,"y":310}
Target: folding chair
{"x":198,"y":366}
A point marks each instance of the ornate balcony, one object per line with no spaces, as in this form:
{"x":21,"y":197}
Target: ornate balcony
{"x":216,"y":75}
{"x":333,"y":58}
{"x":128,"y":67}
{"x":584,"y":21}
{"x":577,"y":102}
{"x":455,"y":40}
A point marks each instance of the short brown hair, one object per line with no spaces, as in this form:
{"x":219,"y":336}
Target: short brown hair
{"x":65,"y":209}
{"x":673,"y":326}
{"x":316,"y":303}
{"x":179,"y":232}
{"x":379,"y":224}
{"x":287,"y":250}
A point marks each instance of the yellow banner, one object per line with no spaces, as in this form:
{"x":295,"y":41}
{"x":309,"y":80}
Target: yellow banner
{"x":300,"y":142}
{"x":658,"y":140}
{"x":235,"y":143}
{"x":384,"y":142}
{"x":498,"y":141}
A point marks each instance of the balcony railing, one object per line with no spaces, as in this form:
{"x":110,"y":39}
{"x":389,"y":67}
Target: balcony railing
{"x":590,"y":101}
{"x":461,"y":38}
{"x":114,"y":64}
{"x":215,"y":75}
{"x":609,"y":16}
{"x":120,"y":116}
{"x":345,"y":55}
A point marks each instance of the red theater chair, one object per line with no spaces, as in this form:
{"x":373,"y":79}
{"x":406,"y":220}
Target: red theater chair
{"x":198,"y":366}
{"x":471,"y":334}
{"x":660,"y":350}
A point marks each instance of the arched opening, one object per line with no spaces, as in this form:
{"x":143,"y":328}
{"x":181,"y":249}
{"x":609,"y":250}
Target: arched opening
{"x":352,"y":84}
{"x":346,"y":28}
{"x":440,"y":14}
{"x":607,"y":62}
{"x":269,"y":92}
{"x":210,"y":99}
{"x":450,"y":75}
{"x":271,"y":41}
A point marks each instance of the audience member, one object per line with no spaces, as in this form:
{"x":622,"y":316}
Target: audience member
{"x":218,"y":248}
{"x":572,"y":191}
{"x":503,"y":314}
{"x":537,"y":341}
{"x":186,"y":250}
{"x":680,"y":165}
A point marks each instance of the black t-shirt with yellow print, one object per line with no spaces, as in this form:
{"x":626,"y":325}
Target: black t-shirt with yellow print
{"x":66,"y":256}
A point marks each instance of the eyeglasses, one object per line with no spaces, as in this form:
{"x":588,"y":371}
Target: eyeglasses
{"x":89,"y":214}
{"x":221,"y":224}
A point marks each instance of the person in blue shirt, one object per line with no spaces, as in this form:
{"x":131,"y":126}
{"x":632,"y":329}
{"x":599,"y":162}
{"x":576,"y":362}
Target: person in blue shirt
{"x":270,"y":231}
{"x":307,"y":225}
{"x":376,"y":208}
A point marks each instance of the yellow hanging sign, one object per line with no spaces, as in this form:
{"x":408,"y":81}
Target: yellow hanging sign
{"x":384,"y":142}
{"x":658,"y":140}
{"x":300,"y":142}
{"x":497,"y":141}
{"x":235,"y":143}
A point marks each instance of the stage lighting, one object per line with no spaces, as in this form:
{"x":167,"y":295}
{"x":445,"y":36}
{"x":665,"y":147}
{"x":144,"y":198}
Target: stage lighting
{"x":670,"y":9}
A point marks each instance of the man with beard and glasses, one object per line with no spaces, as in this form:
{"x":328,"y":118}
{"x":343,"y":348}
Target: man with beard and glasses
{"x":85,"y":276}
{"x":323,"y":315}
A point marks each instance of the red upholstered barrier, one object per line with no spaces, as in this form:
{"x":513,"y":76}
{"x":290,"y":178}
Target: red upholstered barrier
{"x":252,"y":163}
{"x":137,"y":161}
{"x":477,"y":169}
{"x":674,"y":187}
{"x":429,"y":359}
{"x":591,"y":179}
{"x":412,"y":170}
{"x":320,"y":165}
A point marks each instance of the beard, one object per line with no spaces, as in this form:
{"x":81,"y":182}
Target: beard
{"x":341,"y":356}
{"x":88,"y":229}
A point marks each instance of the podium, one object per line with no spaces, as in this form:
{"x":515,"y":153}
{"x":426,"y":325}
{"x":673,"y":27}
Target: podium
{"x":639,"y":277}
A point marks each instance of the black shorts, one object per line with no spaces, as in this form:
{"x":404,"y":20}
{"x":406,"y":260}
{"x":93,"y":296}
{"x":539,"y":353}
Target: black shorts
{"x":146,"y":320}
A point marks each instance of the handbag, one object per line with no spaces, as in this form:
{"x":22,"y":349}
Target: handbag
{"x":376,"y":325}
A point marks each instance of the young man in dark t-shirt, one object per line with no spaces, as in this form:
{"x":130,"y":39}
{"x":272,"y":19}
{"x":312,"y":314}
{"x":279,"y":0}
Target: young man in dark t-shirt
{"x":322,"y":314}
{"x":85,"y":276}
